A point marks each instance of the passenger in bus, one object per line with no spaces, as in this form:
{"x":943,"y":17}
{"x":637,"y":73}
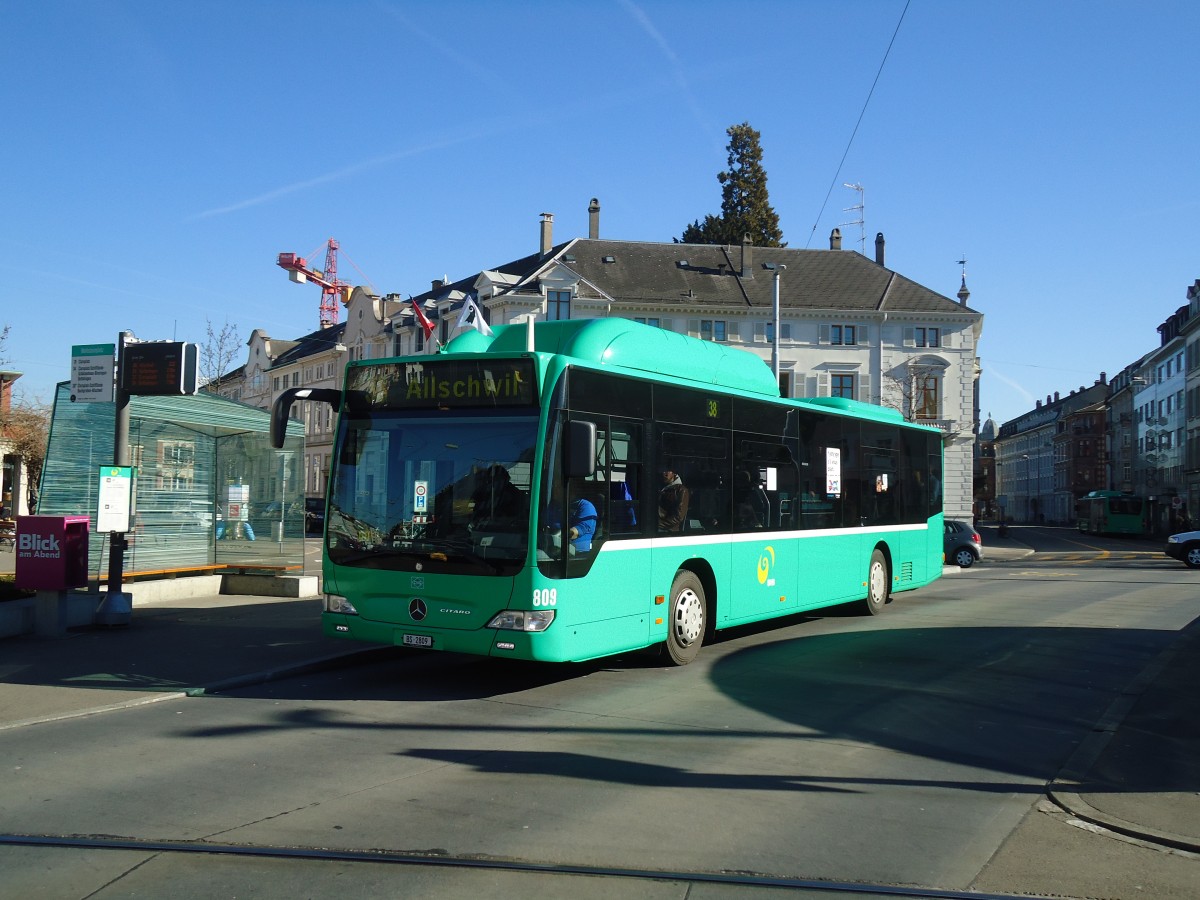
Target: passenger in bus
{"x":582,"y":520}
{"x":499,"y":504}
{"x":672,"y":502}
{"x":751,"y":508}
{"x":622,"y":511}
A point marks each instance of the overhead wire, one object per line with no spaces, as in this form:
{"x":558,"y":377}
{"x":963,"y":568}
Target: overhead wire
{"x":862,"y":113}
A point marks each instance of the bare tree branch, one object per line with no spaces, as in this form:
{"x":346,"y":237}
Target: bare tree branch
{"x":216,"y":353}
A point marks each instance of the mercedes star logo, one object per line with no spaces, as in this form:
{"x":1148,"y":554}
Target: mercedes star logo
{"x":417,"y":609}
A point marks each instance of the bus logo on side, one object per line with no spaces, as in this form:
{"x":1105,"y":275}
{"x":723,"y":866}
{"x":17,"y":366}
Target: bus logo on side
{"x":765,"y":561}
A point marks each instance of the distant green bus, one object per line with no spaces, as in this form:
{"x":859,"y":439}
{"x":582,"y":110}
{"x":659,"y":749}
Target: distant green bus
{"x":577,"y":489}
{"x":1111,"y":512}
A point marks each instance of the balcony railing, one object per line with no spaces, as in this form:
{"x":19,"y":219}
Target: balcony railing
{"x":950,"y":426}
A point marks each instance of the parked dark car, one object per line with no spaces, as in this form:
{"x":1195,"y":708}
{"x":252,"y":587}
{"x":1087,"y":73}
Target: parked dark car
{"x":962,"y":545}
{"x":314,"y":515}
{"x":1184,"y":547}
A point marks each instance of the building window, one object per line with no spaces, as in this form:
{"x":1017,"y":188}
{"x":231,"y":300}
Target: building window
{"x":925,"y":397}
{"x":558,"y":306}
{"x":653,"y":322}
{"x":927,"y":337}
{"x":712,"y":330}
{"x":785,"y":332}
{"x":842,"y":335}
{"x":841,"y":386}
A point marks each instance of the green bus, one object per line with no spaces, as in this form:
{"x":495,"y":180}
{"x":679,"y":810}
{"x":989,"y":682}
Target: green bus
{"x":1111,"y":512}
{"x":577,"y":489}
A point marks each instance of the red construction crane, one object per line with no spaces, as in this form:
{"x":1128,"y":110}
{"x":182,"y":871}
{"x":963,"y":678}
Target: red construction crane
{"x":332,"y":290}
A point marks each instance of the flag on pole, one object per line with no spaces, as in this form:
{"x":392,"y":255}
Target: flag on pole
{"x":472,"y":315}
{"x":422,"y":319}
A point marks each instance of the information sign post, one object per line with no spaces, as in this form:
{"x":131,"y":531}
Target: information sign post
{"x":115,"y":503}
{"x":92,"y":373}
{"x":116,"y":608}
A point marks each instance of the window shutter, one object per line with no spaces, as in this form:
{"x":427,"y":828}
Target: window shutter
{"x":694,"y":327}
{"x":862,"y":334}
{"x":863,"y":391}
{"x":823,"y":334}
{"x":910,"y":339}
{"x":785,"y":331}
{"x":822,"y":384}
{"x":760,"y":332}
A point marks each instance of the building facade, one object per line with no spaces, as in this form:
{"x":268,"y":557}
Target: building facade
{"x":1160,"y":419}
{"x":1043,"y":463}
{"x":1190,"y":332}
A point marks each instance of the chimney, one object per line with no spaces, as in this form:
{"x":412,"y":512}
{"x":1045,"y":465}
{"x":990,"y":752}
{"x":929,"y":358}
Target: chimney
{"x":594,"y":219}
{"x":747,"y":258}
{"x":1056,"y":396}
{"x":835,"y":239}
{"x":879,"y":248}
{"x":547,"y":232}
{"x":436,"y":283}
{"x":1104,"y":378}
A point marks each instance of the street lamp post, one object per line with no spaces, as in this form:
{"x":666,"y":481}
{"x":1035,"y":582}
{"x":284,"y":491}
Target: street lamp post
{"x":775,"y":311}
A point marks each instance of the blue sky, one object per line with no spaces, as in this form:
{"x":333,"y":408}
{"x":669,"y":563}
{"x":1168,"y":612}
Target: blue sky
{"x":158,"y":156}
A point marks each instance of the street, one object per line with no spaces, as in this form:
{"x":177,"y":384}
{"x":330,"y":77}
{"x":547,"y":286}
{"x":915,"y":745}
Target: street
{"x":910,"y":750}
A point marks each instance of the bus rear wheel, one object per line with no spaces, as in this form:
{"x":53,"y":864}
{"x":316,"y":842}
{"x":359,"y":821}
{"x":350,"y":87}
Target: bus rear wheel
{"x":878,"y":585}
{"x":688,"y":618}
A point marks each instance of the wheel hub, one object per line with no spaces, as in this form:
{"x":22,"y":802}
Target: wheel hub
{"x":689,"y":618}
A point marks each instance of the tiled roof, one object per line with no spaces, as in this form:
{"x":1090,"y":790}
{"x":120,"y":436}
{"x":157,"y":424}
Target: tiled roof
{"x":315,"y":342}
{"x":709,"y":275}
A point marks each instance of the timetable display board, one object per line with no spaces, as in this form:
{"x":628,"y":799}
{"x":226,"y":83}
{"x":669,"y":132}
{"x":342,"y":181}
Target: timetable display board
{"x":159,"y":368}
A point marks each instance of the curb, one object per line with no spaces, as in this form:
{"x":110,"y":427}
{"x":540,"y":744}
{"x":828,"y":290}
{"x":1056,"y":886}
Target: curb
{"x":321,"y":664}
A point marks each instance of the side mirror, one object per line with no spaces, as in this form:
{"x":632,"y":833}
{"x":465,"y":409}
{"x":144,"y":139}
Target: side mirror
{"x":282,"y":408}
{"x":580,"y":457}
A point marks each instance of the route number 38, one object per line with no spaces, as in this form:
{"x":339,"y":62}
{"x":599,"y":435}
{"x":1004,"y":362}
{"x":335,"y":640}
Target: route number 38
{"x":547,"y":597}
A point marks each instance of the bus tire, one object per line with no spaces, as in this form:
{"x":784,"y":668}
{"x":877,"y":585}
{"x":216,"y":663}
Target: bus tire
{"x":688,"y":618}
{"x":878,"y":585}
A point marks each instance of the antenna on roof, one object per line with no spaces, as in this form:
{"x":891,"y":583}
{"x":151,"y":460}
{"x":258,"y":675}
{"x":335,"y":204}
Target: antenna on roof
{"x":861,"y":221}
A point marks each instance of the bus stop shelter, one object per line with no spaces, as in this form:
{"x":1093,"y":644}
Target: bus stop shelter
{"x":210,"y":491}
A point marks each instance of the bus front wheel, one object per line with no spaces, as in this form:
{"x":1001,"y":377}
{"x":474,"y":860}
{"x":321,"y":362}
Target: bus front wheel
{"x":689,"y":618}
{"x":877,"y":585}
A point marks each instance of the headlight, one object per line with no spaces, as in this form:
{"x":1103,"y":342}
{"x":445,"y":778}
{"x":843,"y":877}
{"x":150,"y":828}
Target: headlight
{"x":522,"y":620}
{"x":335,"y":603}
{"x":1173,"y":539}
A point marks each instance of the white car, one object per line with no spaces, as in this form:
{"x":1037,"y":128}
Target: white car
{"x":1185,"y":547}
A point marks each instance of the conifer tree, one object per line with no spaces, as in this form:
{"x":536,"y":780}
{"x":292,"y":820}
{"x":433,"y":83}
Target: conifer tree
{"x":745,"y":206}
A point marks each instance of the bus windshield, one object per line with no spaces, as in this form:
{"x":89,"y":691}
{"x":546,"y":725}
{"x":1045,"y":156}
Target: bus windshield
{"x":440,"y":493}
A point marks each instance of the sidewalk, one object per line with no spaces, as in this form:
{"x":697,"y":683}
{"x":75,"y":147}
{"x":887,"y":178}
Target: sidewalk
{"x":1137,"y":773}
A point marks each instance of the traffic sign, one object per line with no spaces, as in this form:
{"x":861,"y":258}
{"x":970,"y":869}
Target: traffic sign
{"x":92,"y":367}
